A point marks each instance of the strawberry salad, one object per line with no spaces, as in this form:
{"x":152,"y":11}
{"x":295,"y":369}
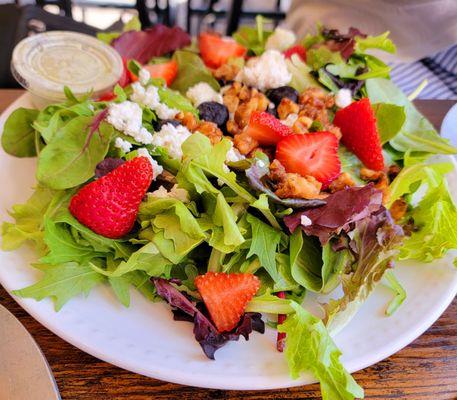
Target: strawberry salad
{"x":233,"y":177}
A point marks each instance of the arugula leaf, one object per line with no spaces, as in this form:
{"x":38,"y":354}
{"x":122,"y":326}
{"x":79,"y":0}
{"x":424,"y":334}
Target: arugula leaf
{"x":191,"y":70}
{"x":29,"y":219}
{"x":309,"y":348}
{"x":62,"y":282}
{"x":389,"y":120}
{"x":381,"y":42}
{"x":19,"y":137}
{"x":416,"y":134}
{"x":264,"y":244}
{"x":435,"y":216}
{"x":400,"y":294}
{"x":70,"y":158}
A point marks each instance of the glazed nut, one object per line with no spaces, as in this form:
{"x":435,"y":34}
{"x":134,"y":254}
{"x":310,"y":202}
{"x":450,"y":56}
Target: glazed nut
{"x":232,"y":127}
{"x":226,"y":72}
{"x":210,"y":130}
{"x":244,"y":111}
{"x":370,"y":175}
{"x":187,"y":119}
{"x":398,"y":209}
{"x":302,"y":125}
{"x":245,"y":143}
{"x":231,"y":101}
{"x":297,"y":186}
{"x":342,"y":182}
{"x":287,"y":107}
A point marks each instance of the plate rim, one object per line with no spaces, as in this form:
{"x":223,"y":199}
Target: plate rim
{"x":200,"y":380}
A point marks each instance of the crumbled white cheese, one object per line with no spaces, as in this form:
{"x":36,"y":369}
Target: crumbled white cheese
{"x":290,"y":120}
{"x":123,"y":144}
{"x":233,"y":155}
{"x":149,"y":97}
{"x":281,"y":39}
{"x":268,"y":71}
{"x":175,"y":193}
{"x":127,"y":117}
{"x":157,"y":169}
{"x":171,"y":138}
{"x":144,"y":76}
{"x":202,"y":92}
{"x":343,"y":98}
{"x":305,"y":221}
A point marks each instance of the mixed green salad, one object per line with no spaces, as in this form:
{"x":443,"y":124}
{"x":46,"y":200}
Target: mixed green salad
{"x":232,"y":177}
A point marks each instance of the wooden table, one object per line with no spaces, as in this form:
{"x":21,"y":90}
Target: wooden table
{"x":426,"y":369}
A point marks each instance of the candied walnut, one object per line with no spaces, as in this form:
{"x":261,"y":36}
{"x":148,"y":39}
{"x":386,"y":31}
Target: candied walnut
{"x":302,"y":125}
{"x":393,"y":171}
{"x":210,"y":130}
{"x":277,"y":171}
{"x":232,"y":127}
{"x":286,"y":107}
{"x":370,"y":175}
{"x":187,"y":119}
{"x":398,"y":209}
{"x":263,"y":101}
{"x":380,"y":180}
{"x":245,"y":143}
{"x":297,"y":186}
{"x":244,"y":111}
{"x":342,"y":182}
{"x":335,"y":130}
{"x":226,"y":72}
{"x":231,"y":101}
{"x":314,"y":104}
{"x":244,"y":93}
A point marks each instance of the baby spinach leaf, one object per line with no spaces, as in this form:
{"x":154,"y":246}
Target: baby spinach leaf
{"x":389,"y":120}
{"x":18,"y":138}
{"x":70,"y":159}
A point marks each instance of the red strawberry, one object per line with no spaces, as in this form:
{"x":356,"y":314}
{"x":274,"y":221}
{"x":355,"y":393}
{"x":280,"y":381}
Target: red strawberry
{"x":109,"y":205}
{"x":167,"y":71}
{"x":267,"y":129}
{"x":360,"y":133}
{"x":216,"y":50}
{"x":314,"y":154}
{"x":226,"y":296}
{"x":297,"y":49}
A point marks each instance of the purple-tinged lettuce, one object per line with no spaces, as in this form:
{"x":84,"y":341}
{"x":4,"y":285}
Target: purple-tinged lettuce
{"x":205,"y":332}
{"x":341,"y":210}
{"x":107,"y":165}
{"x":374,"y":245}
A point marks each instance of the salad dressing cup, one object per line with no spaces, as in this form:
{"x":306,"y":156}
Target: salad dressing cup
{"x":45,"y":63}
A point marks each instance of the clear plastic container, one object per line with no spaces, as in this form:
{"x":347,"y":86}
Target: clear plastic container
{"x":45,"y":63}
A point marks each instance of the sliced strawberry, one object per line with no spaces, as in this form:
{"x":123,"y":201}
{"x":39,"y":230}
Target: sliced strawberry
{"x":216,"y":50}
{"x":109,"y":205}
{"x":360,"y":133}
{"x":297,"y":49}
{"x":267,"y":129}
{"x":226,"y":296}
{"x":314,"y":154}
{"x":167,"y":71}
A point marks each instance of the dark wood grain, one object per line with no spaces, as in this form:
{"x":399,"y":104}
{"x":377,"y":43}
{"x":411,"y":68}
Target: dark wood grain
{"x":425,"y":370}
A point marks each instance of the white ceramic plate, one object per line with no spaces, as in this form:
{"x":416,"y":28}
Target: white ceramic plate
{"x":146,"y":340}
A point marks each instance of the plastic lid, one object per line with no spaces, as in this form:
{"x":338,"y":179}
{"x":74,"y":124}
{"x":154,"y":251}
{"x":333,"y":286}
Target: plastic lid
{"x":45,"y":63}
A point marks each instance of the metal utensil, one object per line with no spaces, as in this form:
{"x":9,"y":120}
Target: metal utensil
{"x":24,"y":371}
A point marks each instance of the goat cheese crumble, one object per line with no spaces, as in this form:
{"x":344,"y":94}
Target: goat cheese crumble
{"x":201,"y":93}
{"x":123,"y":144}
{"x":343,"y":98}
{"x":157,"y":169}
{"x":290,"y":119}
{"x":144,"y":76}
{"x":127,"y":117}
{"x":175,"y":193}
{"x":149,"y":97}
{"x":305,"y":221}
{"x":281,"y":39}
{"x":233,"y":155}
{"x":268,"y":71}
{"x":171,"y":138}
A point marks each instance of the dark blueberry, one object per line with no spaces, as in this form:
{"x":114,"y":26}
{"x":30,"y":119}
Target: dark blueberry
{"x":276,"y":95}
{"x":214,"y":112}
{"x":162,"y":122}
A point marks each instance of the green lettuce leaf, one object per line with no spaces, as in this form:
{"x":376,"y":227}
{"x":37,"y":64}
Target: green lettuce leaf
{"x":389,"y":120}
{"x":300,"y":71}
{"x":416,"y":134}
{"x":381,"y":42}
{"x":320,"y":57}
{"x":435,"y":217}
{"x":174,"y":99}
{"x":253,"y":38}
{"x":70,"y":158}
{"x":19,"y":137}
{"x":133,"y":24}
{"x":393,"y":284}
{"x":191,"y":70}
{"x":62,"y":282}
{"x":309,"y":348}
{"x":264,"y":244}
